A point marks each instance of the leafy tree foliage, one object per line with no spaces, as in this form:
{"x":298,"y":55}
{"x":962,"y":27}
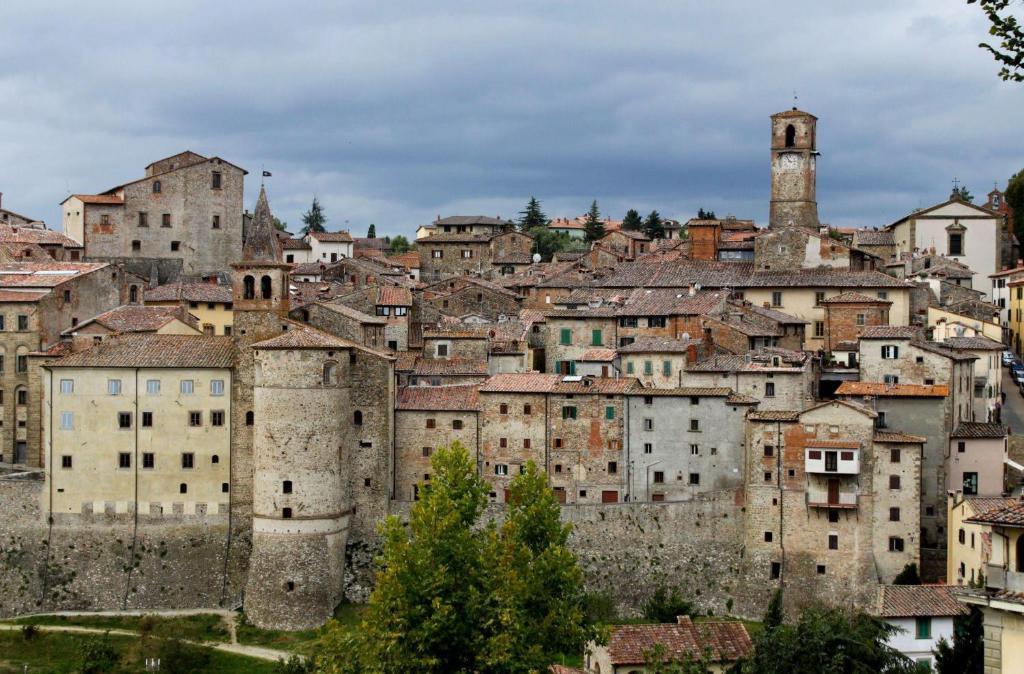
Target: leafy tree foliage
{"x":97,"y":656}
{"x":400,"y":245}
{"x":452,"y":596}
{"x":705,"y":215}
{"x":963,"y":193}
{"x":774,"y":614}
{"x":279,"y":224}
{"x":828,"y":640}
{"x":966,"y":655}
{"x":654,"y":226}
{"x":371,"y":233}
{"x":532,"y":216}
{"x":655,"y":662}
{"x":1015,"y":200}
{"x":1008,"y":30}
{"x":666,"y":604}
{"x":632,"y":221}
{"x":593,"y":228}
{"x":314,"y":219}
{"x":908,"y":576}
{"x":547,"y":243}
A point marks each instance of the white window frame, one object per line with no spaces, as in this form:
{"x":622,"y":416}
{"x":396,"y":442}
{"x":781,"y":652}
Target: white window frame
{"x":67,"y":421}
{"x":67,"y":386}
{"x":216,"y":387}
{"x":153,"y":387}
{"x":114,"y":387}
{"x":188,"y":387}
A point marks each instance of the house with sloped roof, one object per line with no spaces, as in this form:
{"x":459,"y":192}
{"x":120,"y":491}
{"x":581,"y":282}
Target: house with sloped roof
{"x":629,"y":647}
{"x":327,"y":247}
{"x":922,"y":615}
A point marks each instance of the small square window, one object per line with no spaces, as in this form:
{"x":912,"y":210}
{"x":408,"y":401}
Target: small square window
{"x":124,"y":419}
{"x":767,"y":537}
{"x":195,"y":418}
{"x":187,"y":387}
{"x":175,"y":246}
{"x":124,"y":460}
{"x":148,"y":460}
{"x":217,"y":418}
{"x":188,"y":460}
{"x":833,"y":516}
{"x":147,"y":419}
{"x":833,"y":541}
{"x":65,"y":461}
{"x":821,"y":569}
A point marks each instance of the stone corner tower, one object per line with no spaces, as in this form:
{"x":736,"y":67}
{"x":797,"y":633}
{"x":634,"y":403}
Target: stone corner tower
{"x":302,"y":503}
{"x":794,"y":158}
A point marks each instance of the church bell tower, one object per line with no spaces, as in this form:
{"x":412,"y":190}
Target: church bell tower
{"x":794,"y":155}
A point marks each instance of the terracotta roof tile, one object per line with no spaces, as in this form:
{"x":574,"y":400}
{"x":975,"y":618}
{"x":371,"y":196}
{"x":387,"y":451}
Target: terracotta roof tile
{"x":332,"y":237}
{"x":1009,"y":515}
{"x":150,"y":350}
{"x":873,"y":237}
{"x":393,"y":296}
{"x":594,"y":385}
{"x":110,"y":199}
{"x":725,"y":641}
{"x":190,"y":292}
{"x":295,"y":244}
{"x":774,"y":415}
{"x":523,"y":382}
{"x":451,"y":367}
{"x":662,"y":302}
{"x":448,"y":398}
{"x":883,"y":390}
{"x":684,"y":392}
{"x":911,"y":601}
{"x":598,"y":354}
{"x":854,"y":297}
{"x":973,"y":344}
{"x":978,"y":429}
{"x":349,"y":312}
{"x":890,"y":332}
{"x":22,"y":295}
{"x":659,"y":345}
{"x":36,"y":235}
{"x":300,"y":336}
{"x":898,"y":437}
{"x":44,"y":274}
{"x":135,"y":318}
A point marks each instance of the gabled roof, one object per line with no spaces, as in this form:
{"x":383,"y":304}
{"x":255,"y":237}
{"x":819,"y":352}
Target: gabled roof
{"x":912,"y":601}
{"x":135,"y":318}
{"x":471,"y":220}
{"x":105,"y":199}
{"x":723,"y":641}
{"x":854,"y":297}
{"x":947,"y":202}
{"x":898,"y":437}
{"x":152,"y":350}
{"x":331,"y":237}
{"x":890,"y":332}
{"x":597,"y":355}
{"x":465,"y":367}
{"x":349,"y":312}
{"x":190,"y":292}
{"x":648,"y":344}
{"x":394,"y":296}
{"x":525,"y":382}
{"x":977,"y":343}
{"x":44,"y":274}
{"x":1008,"y":516}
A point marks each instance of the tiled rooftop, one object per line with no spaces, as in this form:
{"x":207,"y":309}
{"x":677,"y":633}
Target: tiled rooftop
{"x":978,"y":429}
{"x":44,"y":274}
{"x":911,"y":601}
{"x":890,"y":332}
{"x":150,"y":350}
{"x":448,"y":398}
{"x":135,"y":318}
{"x":190,"y":292}
{"x":451,"y":367}
{"x":883,"y":390}
{"x":723,"y":641}
{"x":300,"y":336}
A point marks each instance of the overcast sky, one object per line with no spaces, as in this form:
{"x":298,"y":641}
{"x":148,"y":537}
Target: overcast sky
{"x":395,"y":112}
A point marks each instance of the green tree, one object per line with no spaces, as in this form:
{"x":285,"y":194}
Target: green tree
{"x":454,"y":596}
{"x":314,"y":219}
{"x":654,"y":226}
{"x":1015,"y":200}
{"x":656,"y":662}
{"x":97,"y":656}
{"x":400,"y":245}
{"x":632,"y":221}
{"x":666,"y":604}
{"x":532,"y":216}
{"x":1008,"y":30}
{"x":547,"y":242}
{"x":371,"y":232}
{"x":908,"y":576}
{"x":828,"y":640}
{"x":593,"y":228}
{"x":279,"y":225}
{"x":705,"y":215}
{"x":966,"y":655}
{"x":774,"y":615}
{"x":963,"y":193}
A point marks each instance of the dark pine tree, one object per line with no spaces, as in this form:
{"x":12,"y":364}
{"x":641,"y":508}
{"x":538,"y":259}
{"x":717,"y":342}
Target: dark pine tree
{"x":314,"y":219}
{"x":532,"y":216}
{"x":593,"y":228}
{"x":632,"y":221}
{"x":654,"y":226}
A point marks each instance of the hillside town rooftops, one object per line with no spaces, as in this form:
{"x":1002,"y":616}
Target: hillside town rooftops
{"x":598,"y":355}
{"x":649,"y":344}
{"x":525,"y":382}
{"x":1011,"y":515}
{"x":301,"y":336}
{"x":331,"y":237}
{"x":451,"y":367}
{"x":890,"y":332}
{"x":135,"y":318}
{"x":853,"y":297}
{"x":976,"y":343}
{"x":897,"y":437}
{"x":44,"y":274}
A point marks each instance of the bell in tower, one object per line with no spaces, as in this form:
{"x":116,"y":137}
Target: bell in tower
{"x":794,"y":155}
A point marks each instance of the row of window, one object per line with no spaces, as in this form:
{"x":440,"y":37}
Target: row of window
{"x":22,"y":319}
{"x":216,"y":181}
{"x":20,"y":363}
{"x":124,"y":461}
{"x":634,"y":322}
{"x":124,"y":419}
{"x":186,"y":386}
{"x":137,"y":246}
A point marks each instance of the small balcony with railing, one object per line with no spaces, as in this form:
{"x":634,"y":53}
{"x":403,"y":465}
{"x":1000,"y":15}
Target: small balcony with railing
{"x":832,"y":495}
{"x":998,"y":577}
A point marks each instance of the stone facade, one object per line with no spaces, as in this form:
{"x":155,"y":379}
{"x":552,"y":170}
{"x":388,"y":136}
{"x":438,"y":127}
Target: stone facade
{"x":847,"y":315}
{"x":570,"y":333}
{"x":188,"y":209}
{"x":794,"y":173}
{"x":419,"y":432}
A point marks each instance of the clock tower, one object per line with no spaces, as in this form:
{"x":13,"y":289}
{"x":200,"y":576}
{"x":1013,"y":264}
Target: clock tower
{"x":794,"y":155}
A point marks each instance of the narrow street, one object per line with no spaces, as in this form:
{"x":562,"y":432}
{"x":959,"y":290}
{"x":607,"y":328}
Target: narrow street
{"x":1013,"y":410}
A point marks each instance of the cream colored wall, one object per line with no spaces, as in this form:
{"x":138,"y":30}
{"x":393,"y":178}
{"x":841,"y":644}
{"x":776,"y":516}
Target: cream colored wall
{"x":657,"y":378}
{"x":74,"y":219}
{"x":177,"y":327}
{"x":1013,"y":641}
{"x":95,"y":440}
{"x":972,"y":558}
{"x":990,"y":330}
{"x":800,"y":302}
{"x":219,"y":317}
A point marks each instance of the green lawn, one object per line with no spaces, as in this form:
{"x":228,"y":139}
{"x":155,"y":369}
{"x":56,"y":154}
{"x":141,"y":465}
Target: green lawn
{"x":304,"y":642}
{"x":57,"y":653}
{"x":206,"y":627}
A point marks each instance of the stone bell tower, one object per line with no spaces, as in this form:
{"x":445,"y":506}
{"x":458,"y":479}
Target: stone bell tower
{"x":794,"y":155}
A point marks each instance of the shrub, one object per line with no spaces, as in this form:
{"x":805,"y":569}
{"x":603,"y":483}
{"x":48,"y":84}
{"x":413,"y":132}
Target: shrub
{"x":294,"y":665}
{"x":666,"y":604}
{"x":178,"y":657}
{"x":97,"y":656}
{"x":599,"y":608}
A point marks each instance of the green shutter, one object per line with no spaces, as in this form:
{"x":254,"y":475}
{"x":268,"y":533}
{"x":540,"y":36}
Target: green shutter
{"x":666,"y":368}
{"x":648,"y":367}
{"x":609,"y":412}
{"x":572,"y":367}
{"x":629,"y":367}
{"x":558,"y":367}
{"x":595,"y":338}
{"x":566,"y":336}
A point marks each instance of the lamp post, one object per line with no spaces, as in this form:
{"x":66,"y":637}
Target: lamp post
{"x":648,"y":481}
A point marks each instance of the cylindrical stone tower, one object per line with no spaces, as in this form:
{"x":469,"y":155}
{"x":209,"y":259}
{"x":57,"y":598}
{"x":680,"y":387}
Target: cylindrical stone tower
{"x":301,"y":504}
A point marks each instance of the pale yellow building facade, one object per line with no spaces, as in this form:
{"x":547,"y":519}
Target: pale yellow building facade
{"x":131,"y":426}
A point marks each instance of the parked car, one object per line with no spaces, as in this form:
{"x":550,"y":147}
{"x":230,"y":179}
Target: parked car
{"x":1008,"y":358}
{"x":1018,"y":375}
